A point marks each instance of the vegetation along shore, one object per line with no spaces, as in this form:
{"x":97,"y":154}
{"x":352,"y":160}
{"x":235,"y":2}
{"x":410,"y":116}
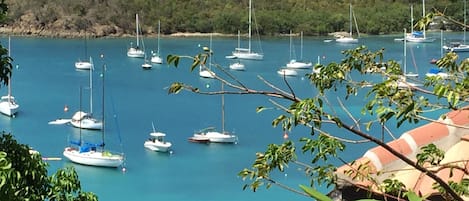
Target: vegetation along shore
{"x":115,"y":18}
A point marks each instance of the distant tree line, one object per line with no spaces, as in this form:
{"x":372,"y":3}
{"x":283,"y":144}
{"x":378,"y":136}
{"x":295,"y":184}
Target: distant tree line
{"x":313,"y":17}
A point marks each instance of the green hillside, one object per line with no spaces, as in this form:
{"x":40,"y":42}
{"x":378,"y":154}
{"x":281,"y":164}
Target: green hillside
{"x":313,"y":17}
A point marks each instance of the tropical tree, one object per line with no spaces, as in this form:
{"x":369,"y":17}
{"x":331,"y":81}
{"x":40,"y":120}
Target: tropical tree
{"x":389,"y":100}
{"x":24,"y":176}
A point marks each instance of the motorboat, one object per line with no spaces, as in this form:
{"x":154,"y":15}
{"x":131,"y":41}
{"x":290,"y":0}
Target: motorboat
{"x":8,"y":105}
{"x":156,"y":142}
{"x":237,"y":66}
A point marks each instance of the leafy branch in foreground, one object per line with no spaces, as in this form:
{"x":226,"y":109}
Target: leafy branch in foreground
{"x":23,"y":176}
{"x":388,"y":101}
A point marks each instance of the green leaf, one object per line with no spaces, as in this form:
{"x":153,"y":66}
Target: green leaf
{"x":315,"y":194}
{"x":412,"y":196}
{"x":173,"y":59}
{"x":175,"y":88}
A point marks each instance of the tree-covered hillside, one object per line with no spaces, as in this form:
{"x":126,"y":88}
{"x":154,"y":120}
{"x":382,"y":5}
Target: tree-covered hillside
{"x":313,"y":17}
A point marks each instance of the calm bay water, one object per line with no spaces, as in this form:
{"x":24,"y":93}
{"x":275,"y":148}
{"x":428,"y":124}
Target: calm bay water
{"x":45,"y":81}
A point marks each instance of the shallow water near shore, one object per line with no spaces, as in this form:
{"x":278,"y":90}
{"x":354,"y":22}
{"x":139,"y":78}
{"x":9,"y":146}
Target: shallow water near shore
{"x":45,"y":81}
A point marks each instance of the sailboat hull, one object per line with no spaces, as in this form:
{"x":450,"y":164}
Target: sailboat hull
{"x":216,"y":137}
{"x":84,"y":120}
{"x":83,"y":65}
{"x":248,"y":55}
{"x":93,"y":158}
{"x":135,"y":53}
{"x":346,"y":40}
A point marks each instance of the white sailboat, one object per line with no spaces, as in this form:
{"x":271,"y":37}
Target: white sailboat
{"x":403,"y":83}
{"x":83,"y":64}
{"x":418,"y":36}
{"x":146,"y":64}
{"x":155,"y":56}
{"x":457,"y":46}
{"x":293,"y":63}
{"x":247,"y":53}
{"x":211,"y":135}
{"x":91,"y":154}
{"x":204,"y":69}
{"x":406,"y":73}
{"x":237,"y":65}
{"x":83,"y":119}
{"x":349,"y":38}
{"x":136,"y":52}
{"x":156,"y":142}
{"x":8,"y":105}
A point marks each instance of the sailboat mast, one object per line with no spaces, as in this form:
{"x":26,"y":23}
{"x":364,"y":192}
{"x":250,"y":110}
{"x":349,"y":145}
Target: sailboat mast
{"x":250,"y":18}
{"x":159,"y":24}
{"x":290,"y":45}
{"x":423,"y":15}
{"x":9,"y":77}
{"x":411,"y":18}
{"x":91,"y":90}
{"x":222,"y":109}
{"x":103,"y":119}
{"x":350,"y":20}
{"x":239,"y":39}
{"x":137,"y":28}
{"x":464,"y":37}
{"x":301,"y":44}
{"x":405,"y":53}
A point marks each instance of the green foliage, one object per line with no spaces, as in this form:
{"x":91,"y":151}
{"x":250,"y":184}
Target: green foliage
{"x":272,"y":17}
{"x":23,"y":176}
{"x":430,"y":154}
{"x":314,"y":193}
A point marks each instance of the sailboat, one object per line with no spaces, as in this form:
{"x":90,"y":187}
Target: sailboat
{"x":84,"y":65}
{"x":211,"y":135}
{"x":155,"y":56}
{"x":91,"y":154}
{"x":237,"y":65}
{"x":418,"y":36}
{"x":247,"y":53}
{"x":146,"y":63}
{"x":349,"y":38}
{"x":205,"y":71}
{"x":136,"y":52}
{"x":8,"y":105}
{"x":403,"y":83}
{"x":293,"y":62}
{"x":156,"y":142}
{"x":457,"y":46}
{"x":86,"y":120}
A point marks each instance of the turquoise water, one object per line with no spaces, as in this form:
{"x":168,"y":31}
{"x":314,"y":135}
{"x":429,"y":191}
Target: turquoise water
{"x":45,"y":81}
